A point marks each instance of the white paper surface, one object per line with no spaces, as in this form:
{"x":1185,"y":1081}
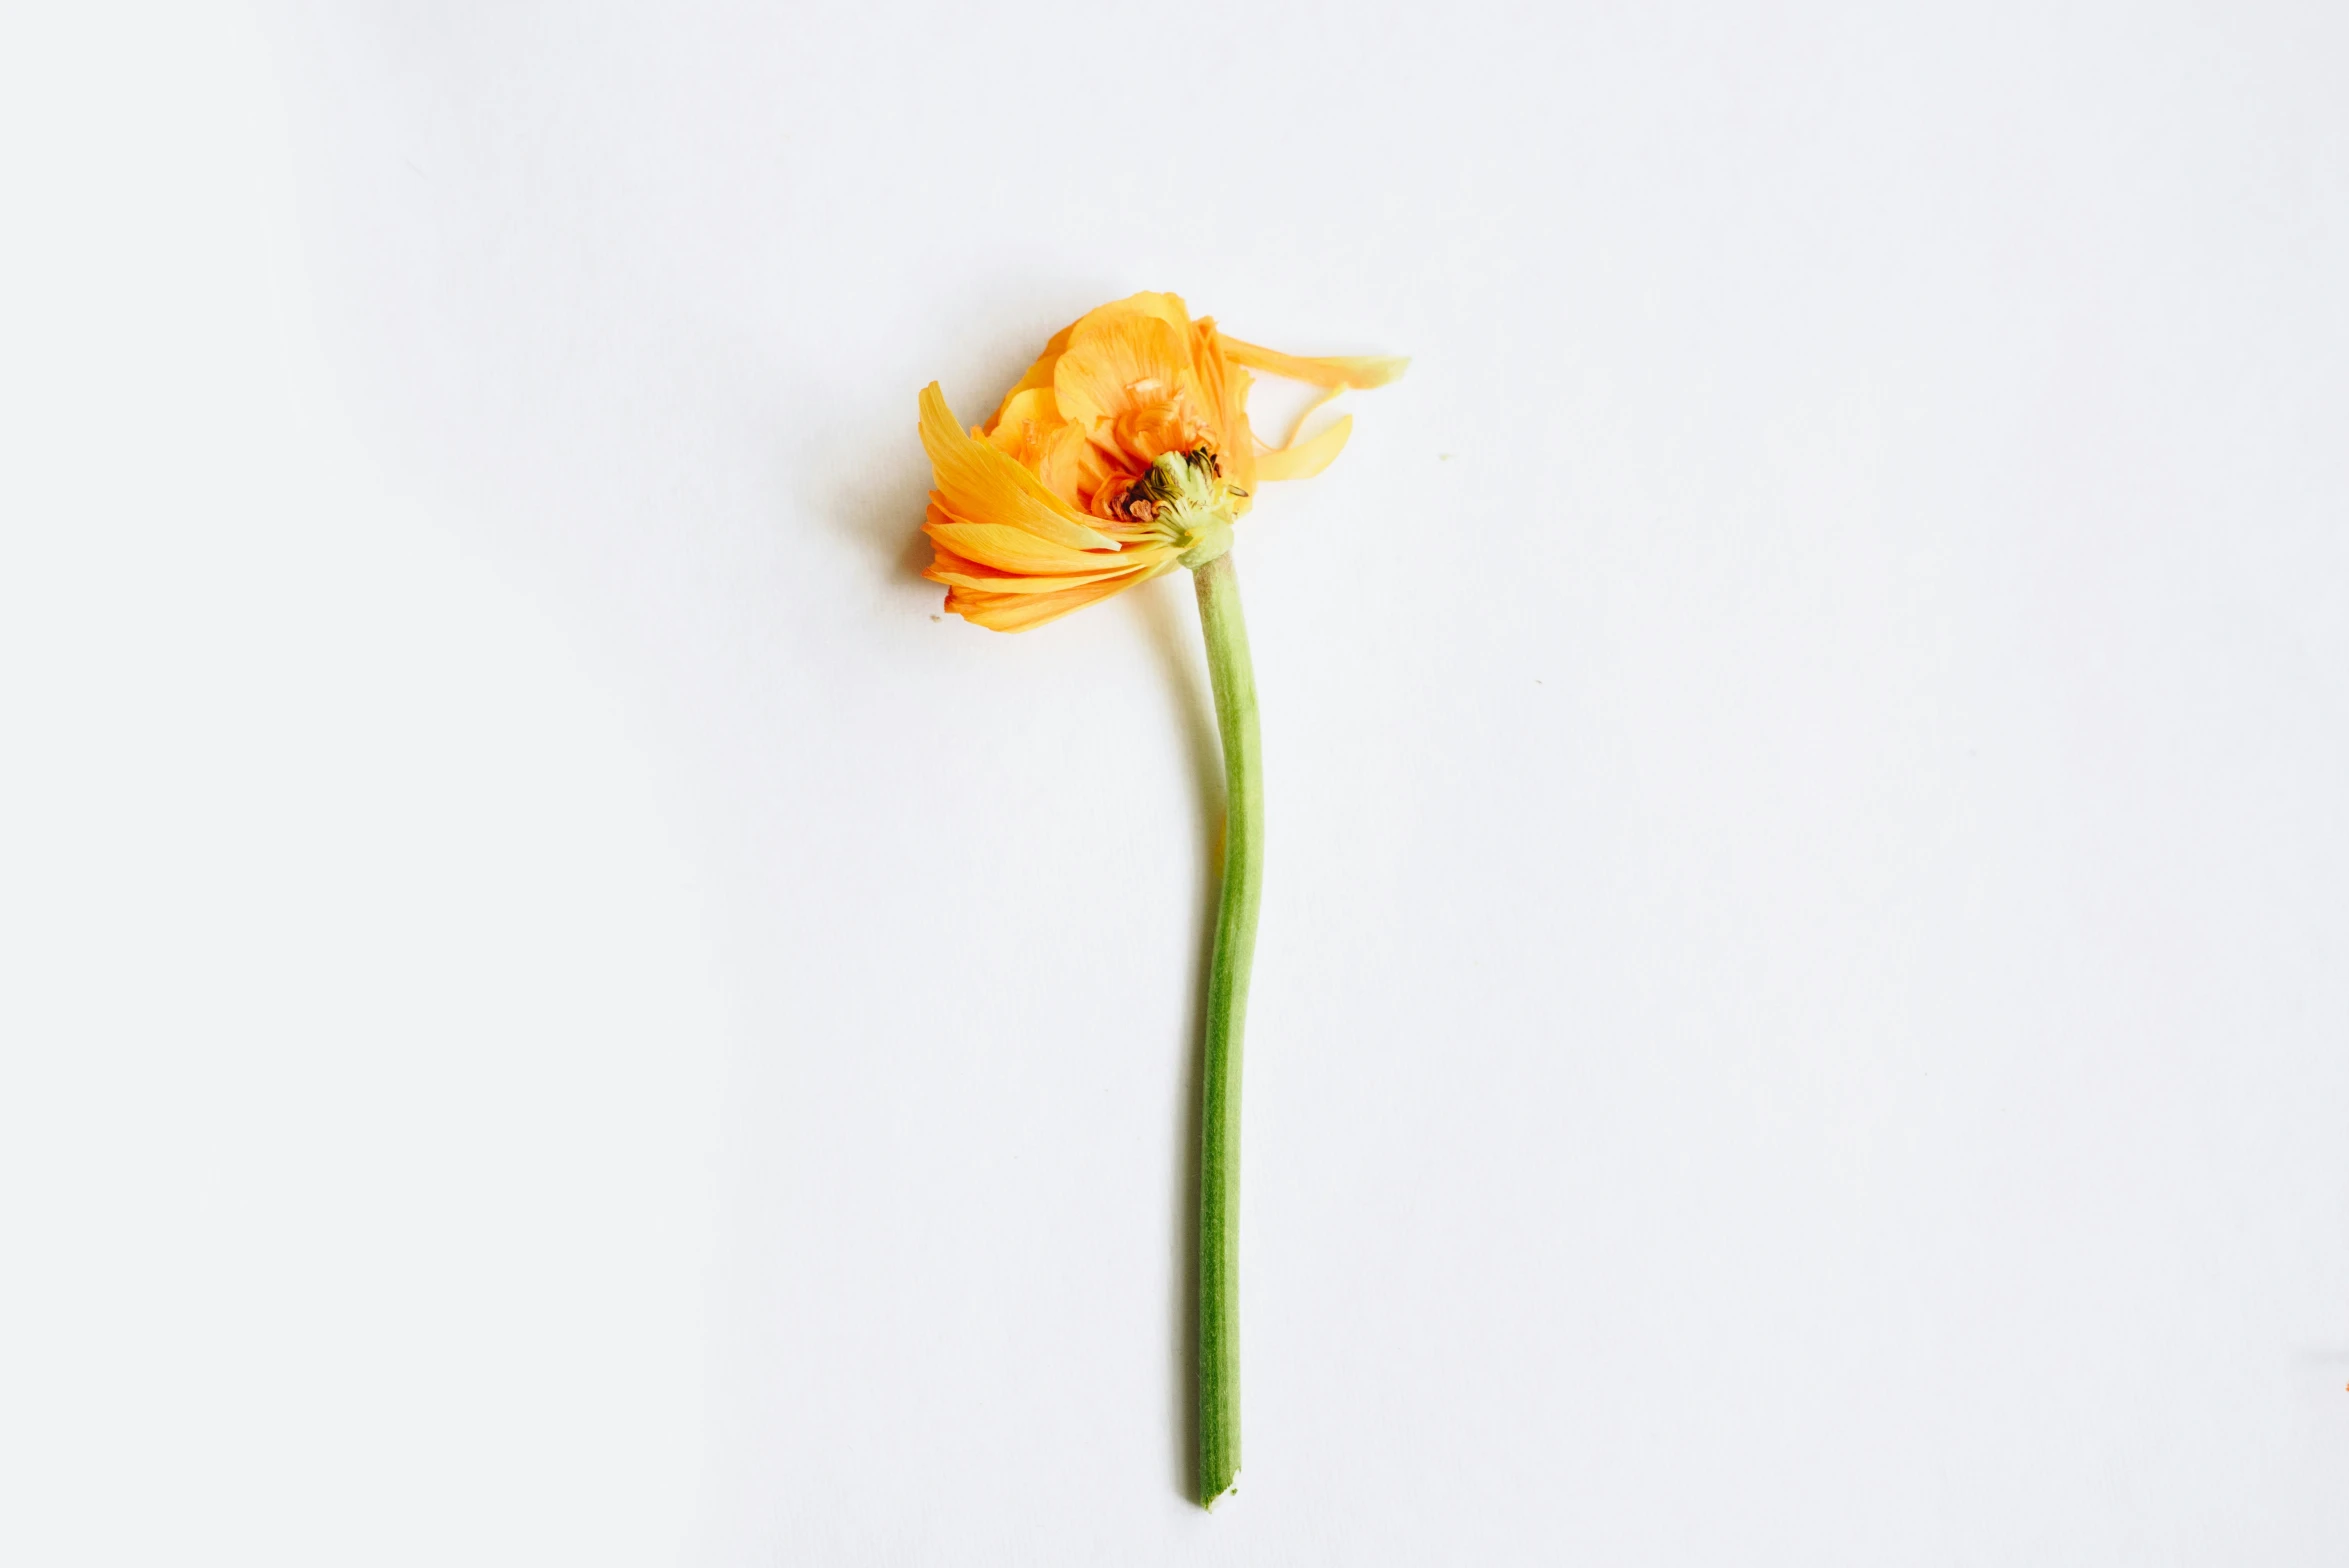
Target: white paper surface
{"x":557,"y":1012}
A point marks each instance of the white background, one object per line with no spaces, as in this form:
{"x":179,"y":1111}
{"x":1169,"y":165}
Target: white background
{"x":555,"y":1012}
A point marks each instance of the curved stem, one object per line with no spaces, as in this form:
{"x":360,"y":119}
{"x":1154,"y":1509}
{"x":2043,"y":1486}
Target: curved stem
{"x":1234,"y":681}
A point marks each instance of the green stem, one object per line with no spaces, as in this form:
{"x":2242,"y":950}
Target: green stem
{"x":1227,"y":1010}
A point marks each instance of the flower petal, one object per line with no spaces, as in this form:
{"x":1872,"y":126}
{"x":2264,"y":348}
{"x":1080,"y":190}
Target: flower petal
{"x":1028,"y":429}
{"x":1013,"y":549}
{"x":1310,"y":458}
{"x":981,"y":486}
{"x":1360,"y":372}
{"x":1017,"y":612}
{"x":1120,"y":360}
{"x":1168,"y":307}
{"x":1224,"y":386}
{"x":1024,"y":425}
{"x":959,"y":571}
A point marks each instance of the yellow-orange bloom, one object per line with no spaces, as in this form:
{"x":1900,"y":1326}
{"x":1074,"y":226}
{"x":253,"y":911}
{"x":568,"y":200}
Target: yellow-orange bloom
{"x":1125,"y":450}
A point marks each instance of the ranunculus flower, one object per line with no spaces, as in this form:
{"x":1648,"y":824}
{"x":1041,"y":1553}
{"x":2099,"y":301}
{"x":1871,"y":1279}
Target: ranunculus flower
{"x":1123,"y":451}
{"x":1126,"y":450}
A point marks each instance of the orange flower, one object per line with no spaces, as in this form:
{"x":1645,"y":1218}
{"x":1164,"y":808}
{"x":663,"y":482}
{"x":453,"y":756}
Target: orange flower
{"x":1124,"y":451}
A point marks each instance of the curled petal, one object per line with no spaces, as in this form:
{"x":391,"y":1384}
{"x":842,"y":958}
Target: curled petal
{"x":1304,"y":460}
{"x":1360,"y":372}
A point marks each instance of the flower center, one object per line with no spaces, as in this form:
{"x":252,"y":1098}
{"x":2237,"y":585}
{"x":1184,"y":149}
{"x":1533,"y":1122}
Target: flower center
{"x":1184,"y":498}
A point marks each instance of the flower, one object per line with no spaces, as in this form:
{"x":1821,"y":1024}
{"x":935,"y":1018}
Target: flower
{"x":1124,"y":451}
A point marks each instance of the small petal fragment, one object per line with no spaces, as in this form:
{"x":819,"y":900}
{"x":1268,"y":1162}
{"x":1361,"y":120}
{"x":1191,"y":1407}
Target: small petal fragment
{"x":1308,"y":458}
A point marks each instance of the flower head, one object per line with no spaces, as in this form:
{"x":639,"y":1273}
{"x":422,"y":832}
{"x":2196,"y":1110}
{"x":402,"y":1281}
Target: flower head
{"x":1124,"y":451}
